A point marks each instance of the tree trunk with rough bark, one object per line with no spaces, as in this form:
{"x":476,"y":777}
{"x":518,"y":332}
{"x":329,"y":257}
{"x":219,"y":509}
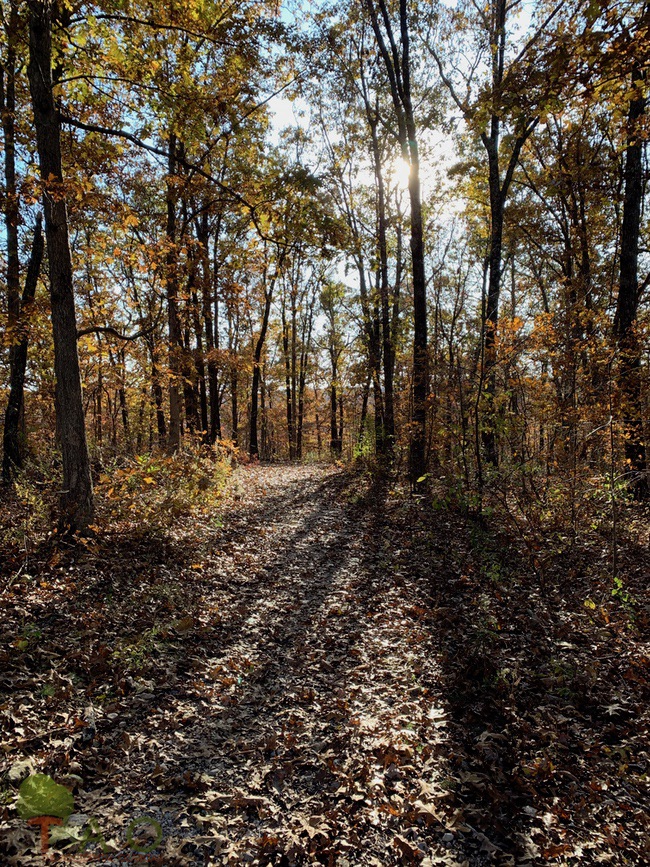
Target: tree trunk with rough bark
{"x":499,"y":188}
{"x":173,"y":317}
{"x":77,"y":505}
{"x":628,"y":299}
{"x":12,"y":451}
{"x":257,"y":360}
{"x":396,"y":59}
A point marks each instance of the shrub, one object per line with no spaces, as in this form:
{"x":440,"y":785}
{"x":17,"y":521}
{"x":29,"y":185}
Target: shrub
{"x":154,"y":491}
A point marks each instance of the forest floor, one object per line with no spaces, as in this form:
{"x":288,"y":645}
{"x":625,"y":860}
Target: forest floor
{"x":332,"y":673}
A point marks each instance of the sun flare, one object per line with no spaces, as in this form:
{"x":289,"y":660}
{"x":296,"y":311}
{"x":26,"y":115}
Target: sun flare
{"x":400,"y":172}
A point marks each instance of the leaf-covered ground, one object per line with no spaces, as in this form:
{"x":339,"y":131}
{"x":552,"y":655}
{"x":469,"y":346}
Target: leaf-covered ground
{"x":330,"y":674}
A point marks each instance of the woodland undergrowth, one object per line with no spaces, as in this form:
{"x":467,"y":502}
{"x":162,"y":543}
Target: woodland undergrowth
{"x":142,"y":495}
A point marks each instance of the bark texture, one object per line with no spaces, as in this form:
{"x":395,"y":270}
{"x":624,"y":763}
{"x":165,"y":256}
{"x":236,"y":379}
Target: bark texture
{"x":77,"y":506}
{"x":628,"y":299}
{"x":12,"y":452}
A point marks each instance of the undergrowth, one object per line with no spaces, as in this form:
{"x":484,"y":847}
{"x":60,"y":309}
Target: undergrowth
{"x":146,"y":493}
{"x":154,"y":491}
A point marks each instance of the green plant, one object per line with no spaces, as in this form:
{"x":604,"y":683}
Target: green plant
{"x":364,"y":448}
{"x":621,"y":594}
{"x":41,"y":796}
{"x":134,"y":655}
{"x":30,"y":513}
{"x":28,"y":637}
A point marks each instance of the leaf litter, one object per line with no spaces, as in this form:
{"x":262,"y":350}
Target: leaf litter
{"x":326,"y":678}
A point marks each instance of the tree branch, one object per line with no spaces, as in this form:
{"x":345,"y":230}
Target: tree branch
{"x":108,"y":329}
{"x":187,"y":164}
{"x":464,"y":108}
{"x":161,"y":152}
{"x":514,"y":156}
{"x":154,"y":25}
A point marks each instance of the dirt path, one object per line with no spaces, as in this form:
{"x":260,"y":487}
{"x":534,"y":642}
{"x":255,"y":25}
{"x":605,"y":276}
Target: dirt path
{"x":304,"y":719}
{"x":325,"y":675}
{"x":281,"y":719}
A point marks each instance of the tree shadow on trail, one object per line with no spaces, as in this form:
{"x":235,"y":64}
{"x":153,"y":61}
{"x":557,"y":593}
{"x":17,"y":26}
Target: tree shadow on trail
{"x":265,"y":686}
{"x":224,"y":643}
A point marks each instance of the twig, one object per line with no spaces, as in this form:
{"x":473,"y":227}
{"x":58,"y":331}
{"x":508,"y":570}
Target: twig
{"x":15,"y":577}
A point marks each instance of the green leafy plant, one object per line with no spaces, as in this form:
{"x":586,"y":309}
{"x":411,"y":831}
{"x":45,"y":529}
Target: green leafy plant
{"x":29,"y":637}
{"x":621,"y":594}
{"x":40,"y":796}
{"x":135,"y":655}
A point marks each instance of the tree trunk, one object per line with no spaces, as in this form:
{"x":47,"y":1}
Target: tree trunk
{"x":124,"y":410}
{"x":12,"y":452}
{"x":213,"y":423}
{"x":384,"y":417}
{"x":257,"y":360}
{"x":287,"y":383}
{"x":336,"y":446}
{"x":319,"y":436}
{"x":294,"y":367}
{"x":420,"y":349}
{"x":200,"y":370}
{"x":398,"y":68}
{"x":190,"y":381}
{"x":205,"y":322}
{"x":265,"y":451}
{"x":173,"y":318}
{"x":335,"y":443}
{"x":234,"y":387}
{"x":216,"y":390}
{"x":628,"y":299}
{"x":364,"y":411}
{"x":190,"y":371}
{"x":372,"y":326}
{"x":499,"y":189}
{"x":141,"y":415}
{"x":157,"y":392}
{"x":305,"y":351}
{"x":99,"y":403}
{"x":77,"y":506}
{"x":493,"y":292}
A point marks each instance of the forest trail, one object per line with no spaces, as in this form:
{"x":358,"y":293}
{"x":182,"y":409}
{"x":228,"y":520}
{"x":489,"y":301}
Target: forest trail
{"x":306,"y":715}
{"x":327,"y":674}
{"x":285,"y":717}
